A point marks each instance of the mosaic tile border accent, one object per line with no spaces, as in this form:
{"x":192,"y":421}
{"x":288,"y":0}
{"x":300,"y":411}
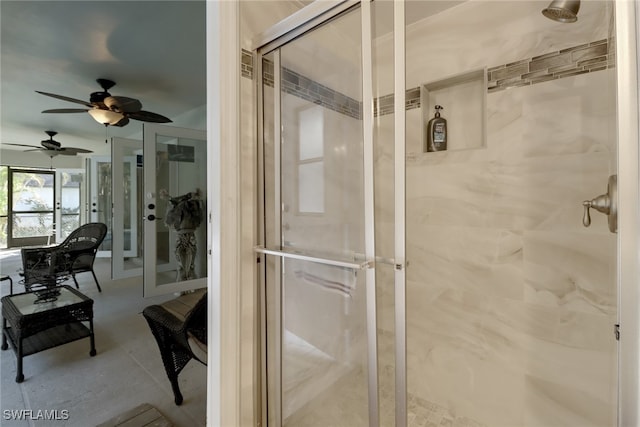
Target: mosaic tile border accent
{"x":590,"y":57}
{"x":385,"y":104}
{"x":246,"y":64}
{"x":586,"y":58}
{"x":303,"y":87}
{"x":296,"y":84}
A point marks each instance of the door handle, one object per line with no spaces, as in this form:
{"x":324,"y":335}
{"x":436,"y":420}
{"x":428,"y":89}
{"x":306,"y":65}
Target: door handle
{"x":605,"y":203}
{"x":152,"y":217}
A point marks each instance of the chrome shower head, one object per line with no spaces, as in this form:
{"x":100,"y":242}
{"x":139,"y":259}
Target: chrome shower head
{"x":563,"y":10}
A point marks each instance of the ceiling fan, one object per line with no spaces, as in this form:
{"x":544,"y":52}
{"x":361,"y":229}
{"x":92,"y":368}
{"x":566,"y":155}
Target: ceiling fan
{"x":107,"y":109}
{"x":52,"y":148}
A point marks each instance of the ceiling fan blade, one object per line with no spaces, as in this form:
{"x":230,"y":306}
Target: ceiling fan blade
{"x":72,"y":151}
{"x":148,"y":116}
{"x":66,"y":110}
{"x":65,"y":152}
{"x":36,"y":149}
{"x":66,"y":98}
{"x":21,"y":145}
{"x":122,"y":104}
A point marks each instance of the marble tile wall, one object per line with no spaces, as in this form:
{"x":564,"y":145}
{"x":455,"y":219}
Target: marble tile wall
{"x":510,"y":300}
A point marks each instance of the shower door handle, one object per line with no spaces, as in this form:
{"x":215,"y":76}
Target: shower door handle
{"x":606,"y":203}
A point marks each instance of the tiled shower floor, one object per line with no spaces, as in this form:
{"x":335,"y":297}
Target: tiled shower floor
{"x":344,"y":404}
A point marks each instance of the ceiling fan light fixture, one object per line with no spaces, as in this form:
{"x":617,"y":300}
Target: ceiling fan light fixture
{"x":105,"y":117}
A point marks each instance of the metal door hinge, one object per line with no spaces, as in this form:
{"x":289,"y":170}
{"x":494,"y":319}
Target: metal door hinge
{"x":616,"y":331}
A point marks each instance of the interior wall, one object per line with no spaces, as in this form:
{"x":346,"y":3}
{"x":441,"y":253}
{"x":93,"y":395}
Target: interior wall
{"x":39,"y":160}
{"x":511,"y":301}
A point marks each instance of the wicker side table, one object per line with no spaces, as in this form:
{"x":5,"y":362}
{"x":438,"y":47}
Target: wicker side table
{"x":32,"y":325}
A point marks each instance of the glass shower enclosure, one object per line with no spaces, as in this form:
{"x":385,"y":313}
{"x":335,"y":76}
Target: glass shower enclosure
{"x":403,"y":286}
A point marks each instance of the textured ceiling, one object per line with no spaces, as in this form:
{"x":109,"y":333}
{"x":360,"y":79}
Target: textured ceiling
{"x":153,"y":50}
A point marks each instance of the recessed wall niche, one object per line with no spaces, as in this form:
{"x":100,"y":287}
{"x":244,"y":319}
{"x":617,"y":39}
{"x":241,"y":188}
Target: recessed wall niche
{"x":463,"y":98}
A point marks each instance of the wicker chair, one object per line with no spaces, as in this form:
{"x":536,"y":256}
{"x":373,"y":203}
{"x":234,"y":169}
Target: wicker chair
{"x":49,"y":266}
{"x":180,"y":329}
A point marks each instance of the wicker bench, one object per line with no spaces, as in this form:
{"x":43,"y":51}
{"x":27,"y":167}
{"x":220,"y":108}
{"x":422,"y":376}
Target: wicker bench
{"x":180,"y":329}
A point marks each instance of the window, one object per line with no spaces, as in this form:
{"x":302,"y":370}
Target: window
{"x":311,"y":160}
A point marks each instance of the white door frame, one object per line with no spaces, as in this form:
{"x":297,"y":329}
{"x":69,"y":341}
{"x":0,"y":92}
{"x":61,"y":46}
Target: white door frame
{"x":118,"y":157}
{"x":58,"y":198}
{"x":93,"y":191}
{"x":224,"y":388}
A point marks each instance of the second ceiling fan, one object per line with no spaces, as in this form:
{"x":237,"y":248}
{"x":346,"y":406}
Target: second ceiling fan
{"x":107,"y":109}
{"x":52,"y":148}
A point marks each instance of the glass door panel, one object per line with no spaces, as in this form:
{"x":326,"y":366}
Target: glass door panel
{"x":101,"y":199}
{"x":175,"y":187}
{"x":321,"y":159}
{"x":317,"y":342}
{"x":324,"y":345}
{"x":127,"y":260}
{"x":70,"y":193}
{"x":511,"y":301}
{"x":31,"y":205}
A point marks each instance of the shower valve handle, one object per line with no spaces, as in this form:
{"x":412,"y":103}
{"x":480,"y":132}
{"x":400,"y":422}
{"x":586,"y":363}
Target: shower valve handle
{"x":601,"y":204}
{"x":605,"y":203}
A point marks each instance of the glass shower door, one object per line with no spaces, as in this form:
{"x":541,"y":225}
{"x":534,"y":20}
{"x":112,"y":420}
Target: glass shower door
{"x":319,"y":286}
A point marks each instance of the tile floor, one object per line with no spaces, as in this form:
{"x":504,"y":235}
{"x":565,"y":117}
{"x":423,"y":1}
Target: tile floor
{"x":126,"y":372}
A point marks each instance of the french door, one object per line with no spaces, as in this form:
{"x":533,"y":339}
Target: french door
{"x":70,"y":199}
{"x":174,"y":209}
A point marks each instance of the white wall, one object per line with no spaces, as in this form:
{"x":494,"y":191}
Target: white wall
{"x":39,"y":160}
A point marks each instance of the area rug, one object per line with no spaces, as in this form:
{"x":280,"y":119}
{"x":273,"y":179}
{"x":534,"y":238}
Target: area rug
{"x":140,"y":416}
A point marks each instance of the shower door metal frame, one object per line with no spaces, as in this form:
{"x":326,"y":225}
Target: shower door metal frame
{"x":627,"y":34}
{"x":296,"y":25}
{"x":400,"y":277}
{"x":627,"y":17}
